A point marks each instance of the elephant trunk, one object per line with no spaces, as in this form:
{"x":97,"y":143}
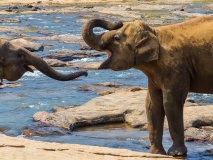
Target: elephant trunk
{"x":43,"y":67}
{"x":93,"y":40}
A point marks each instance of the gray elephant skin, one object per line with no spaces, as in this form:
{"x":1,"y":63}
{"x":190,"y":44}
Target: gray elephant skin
{"x":15,"y":61}
{"x":176,"y":58}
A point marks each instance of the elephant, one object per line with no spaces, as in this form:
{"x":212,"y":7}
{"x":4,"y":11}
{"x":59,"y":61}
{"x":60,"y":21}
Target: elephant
{"x":176,"y":58}
{"x":15,"y":61}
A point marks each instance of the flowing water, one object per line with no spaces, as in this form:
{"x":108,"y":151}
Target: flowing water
{"x":40,"y":93}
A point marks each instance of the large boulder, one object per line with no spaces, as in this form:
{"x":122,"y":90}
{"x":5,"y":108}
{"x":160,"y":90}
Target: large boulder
{"x":124,"y":106}
{"x":31,"y":46}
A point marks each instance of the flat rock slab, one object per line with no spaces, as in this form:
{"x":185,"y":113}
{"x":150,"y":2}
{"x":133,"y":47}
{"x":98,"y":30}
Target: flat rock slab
{"x":20,"y":149}
{"x":111,"y":108}
{"x":121,"y":106}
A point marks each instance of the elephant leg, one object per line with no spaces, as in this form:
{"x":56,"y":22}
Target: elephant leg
{"x":155,"y":117}
{"x":173,"y":100}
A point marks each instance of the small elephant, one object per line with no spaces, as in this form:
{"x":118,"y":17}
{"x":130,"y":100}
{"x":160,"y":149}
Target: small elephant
{"x":176,"y":58}
{"x":15,"y":61}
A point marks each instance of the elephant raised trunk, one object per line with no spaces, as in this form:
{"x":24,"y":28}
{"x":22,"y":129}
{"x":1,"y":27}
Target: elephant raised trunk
{"x":94,"y":40}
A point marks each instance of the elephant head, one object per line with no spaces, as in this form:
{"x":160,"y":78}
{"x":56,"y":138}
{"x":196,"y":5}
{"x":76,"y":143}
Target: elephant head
{"x":15,"y":61}
{"x":128,"y":44}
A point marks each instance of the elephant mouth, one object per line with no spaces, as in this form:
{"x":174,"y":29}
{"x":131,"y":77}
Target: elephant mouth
{"x":27,"y":68}
{"x":104,"y":64}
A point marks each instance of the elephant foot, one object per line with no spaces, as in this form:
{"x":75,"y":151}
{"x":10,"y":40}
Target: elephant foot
{"x":177,"y":151}
{"x":157,"y":150}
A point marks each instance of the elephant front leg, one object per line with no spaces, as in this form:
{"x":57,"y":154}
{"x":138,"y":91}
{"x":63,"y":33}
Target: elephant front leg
{"x":155,"y":117}
{"x":173,"y":105}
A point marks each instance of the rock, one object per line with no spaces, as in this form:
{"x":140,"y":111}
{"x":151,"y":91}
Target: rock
{"x":198,"y":116}
{"x":10,"y":20}
{"x":2,"y":129}
{"x":14,"y":7}
{"x":21,"y":148}
{"x":124,"y":106}
{"x":85,"y":47}
{"x":196,"y":134}
{"x":35,"y":9}
{"x":109,"y":87}
{"x":75,"y":65}
{"x":43,"y":131}
{"x":10,"y":85}
{"x":73,"y":54}
{"x":28,"y":5}
{"x":31,"y":46}
{"x":189,"y":102}
{"x":111,"y":108}
{"x":55,"y":62}
{"x":84,"y":65}
{"x":208,"y":152}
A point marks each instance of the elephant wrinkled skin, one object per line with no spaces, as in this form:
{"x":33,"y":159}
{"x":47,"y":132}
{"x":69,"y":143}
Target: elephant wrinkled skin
{"x":176,"y":58}
{"x":15,"y":61}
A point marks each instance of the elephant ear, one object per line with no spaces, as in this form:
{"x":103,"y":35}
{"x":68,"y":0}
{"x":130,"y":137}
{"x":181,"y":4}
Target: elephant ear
{"x":147,"y":48}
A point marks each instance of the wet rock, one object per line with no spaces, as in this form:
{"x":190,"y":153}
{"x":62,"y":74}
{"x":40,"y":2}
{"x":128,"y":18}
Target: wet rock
{"x":14,"y":7}
{"x":2,"y":129}
{"x":189,"y":102}
{"x":73,"y":54}
{"x":31,"y":46}
{"x":55,"y":62}
{"x":208,"y":152}
{"x":43,"y":131}
{"x":109,"y":87}
{"x":35,"y":9}
{"x":85,"y":47}
{"x":197,"y":134}
{"x":10,"y":21}
{"x":28,"y":5}
{"x":11,"y":85}
{"x":9,"y":10}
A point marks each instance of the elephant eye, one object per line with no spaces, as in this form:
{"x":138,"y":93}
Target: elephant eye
{"x":20,"y":54}
{"x":116,"y":37}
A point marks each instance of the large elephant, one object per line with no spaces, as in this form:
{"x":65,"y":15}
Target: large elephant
{"x":15,"y":61}
{"x":176,"y":58}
